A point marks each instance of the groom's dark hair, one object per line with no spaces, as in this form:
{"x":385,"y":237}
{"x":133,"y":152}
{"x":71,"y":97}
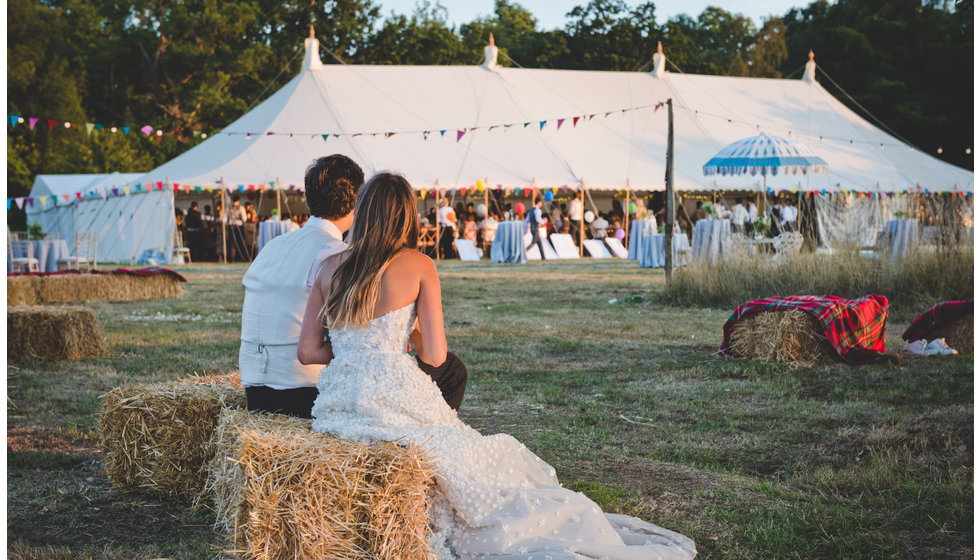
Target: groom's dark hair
{"x":331,"y":186}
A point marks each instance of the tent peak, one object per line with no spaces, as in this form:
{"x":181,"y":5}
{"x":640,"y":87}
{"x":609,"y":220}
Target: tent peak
{"x":490,"y":55}
{"x":311,"y":62}
{"x":659,"y":62}
{"x":810,"y":72}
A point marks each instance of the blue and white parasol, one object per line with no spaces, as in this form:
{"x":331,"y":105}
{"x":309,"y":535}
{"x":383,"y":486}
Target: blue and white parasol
{"x":766,"y":155}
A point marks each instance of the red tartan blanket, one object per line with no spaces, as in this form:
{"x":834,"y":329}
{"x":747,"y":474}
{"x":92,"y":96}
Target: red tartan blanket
{"x":151,"y":271}
{"x":937,"y":317}
{"x":855,"y":328}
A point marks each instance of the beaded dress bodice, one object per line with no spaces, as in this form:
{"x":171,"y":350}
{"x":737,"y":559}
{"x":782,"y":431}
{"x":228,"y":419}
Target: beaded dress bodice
{"x":386,"y":334}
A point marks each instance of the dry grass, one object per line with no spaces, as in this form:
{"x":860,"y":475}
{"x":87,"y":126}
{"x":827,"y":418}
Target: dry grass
{"x":53,"y":333}
{"x":156,"y":438}
{"x":790,"y":336}
{"x":910,"y":284}
{"x":23,"y":290}
{"x":284,"y":492}
{"x":107,"y":287}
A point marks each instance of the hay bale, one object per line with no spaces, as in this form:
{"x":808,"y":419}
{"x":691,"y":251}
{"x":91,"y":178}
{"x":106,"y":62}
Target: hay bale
{"x":790,"y":336}
{"x":23,"y":290}
{"x":959,"y":334}
{"x":282,"y":491}
{"x":107,"y":287}
{"x":53,"y":333}
{"x":156,"y":438}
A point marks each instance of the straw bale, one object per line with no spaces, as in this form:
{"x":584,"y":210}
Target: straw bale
{"x":791,"y":336}
{"x":156,"y":438}
{"x":959,"y":334}
{"x":107,"y":287}
{"x":283,"y":491}
{"x":23,"y":290}
{"x":53,"y":333}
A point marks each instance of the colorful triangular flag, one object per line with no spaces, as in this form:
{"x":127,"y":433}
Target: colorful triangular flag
{"x":51,"y":123}
{"x":89,"y":127}
{"x":574,"y":121}
{"x":459,"y":134}
{"x":20,"y":202}
{"x":32,"y":121}
{"x":560,"y":121}
{"x":13,"y":120}
{"x":541,"y":125}
{"x":125,"y":130}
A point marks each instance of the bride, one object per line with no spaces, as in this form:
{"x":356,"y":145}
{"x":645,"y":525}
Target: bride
{"x":494,"y":498}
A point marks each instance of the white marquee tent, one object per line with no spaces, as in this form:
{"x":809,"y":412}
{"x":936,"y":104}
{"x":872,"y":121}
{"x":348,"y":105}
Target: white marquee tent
{"x":128,"y":226}
{"x":449,"y":126}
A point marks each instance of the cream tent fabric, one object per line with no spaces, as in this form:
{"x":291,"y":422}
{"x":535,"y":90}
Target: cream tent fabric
{"x":128,"y":227}
{"x":619,"y":140}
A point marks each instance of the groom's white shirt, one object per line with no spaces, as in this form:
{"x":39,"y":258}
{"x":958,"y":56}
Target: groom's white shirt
{"x":277,"y":286}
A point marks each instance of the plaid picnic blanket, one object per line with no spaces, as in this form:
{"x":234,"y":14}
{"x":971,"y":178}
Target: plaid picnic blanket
{"x":855,"y":328}
{"x":151,"y":271}
{"x":937,"y":317}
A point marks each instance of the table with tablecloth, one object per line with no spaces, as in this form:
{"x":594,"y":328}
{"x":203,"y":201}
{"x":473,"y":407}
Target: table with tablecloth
{"x":639,"y":228}
{"x":508,"y":244}
{"x":47,"y":252}
{"x":270,"y":229}
{"x":905,"y":237}
{"x":653,"y":253}
{"x":712,"y":240}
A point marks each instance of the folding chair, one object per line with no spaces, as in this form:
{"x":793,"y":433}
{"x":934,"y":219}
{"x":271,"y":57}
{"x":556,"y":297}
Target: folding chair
{"x":31,"y":264}
{"x":86,"y":244}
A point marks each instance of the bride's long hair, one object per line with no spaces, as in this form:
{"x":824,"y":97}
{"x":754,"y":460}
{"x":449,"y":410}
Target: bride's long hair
{"x":385,"y":223}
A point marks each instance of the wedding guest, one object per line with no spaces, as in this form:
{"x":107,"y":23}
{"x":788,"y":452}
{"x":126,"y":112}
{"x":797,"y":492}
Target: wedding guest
{"x":236,"y":230}
{"x":469,"y":227}
{"x":533,"y":221}
{"x":787,"y":217}
{"x":447,"y":221}
{"x":194,"y":227}
{"x":739,"y":216}
{"x":575,"y":211}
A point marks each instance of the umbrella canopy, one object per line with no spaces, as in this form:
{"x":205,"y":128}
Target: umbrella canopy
{"x":764,"y":154}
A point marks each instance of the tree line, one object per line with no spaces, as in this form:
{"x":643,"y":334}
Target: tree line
{"x":192,"y":66}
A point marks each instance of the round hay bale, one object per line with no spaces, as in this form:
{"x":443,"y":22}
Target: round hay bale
{"x":790,"y":336}
{"x":282,"y":491}
{"x":53,"y":333}
{"x":23,"y":290}
{"x":156,"y":437}
{"x":959,"y":334}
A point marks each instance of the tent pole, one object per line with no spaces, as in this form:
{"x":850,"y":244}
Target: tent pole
{"x":799,"y":206}
{"x":581,"y":224}
{"x":626,"y":216}
{"x":278,"y":202}
{"x":221,"y":216}
{"x":669,"y":226}
{"x":438,"y":223}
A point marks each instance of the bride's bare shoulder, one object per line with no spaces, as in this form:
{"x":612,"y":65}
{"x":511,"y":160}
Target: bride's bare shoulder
{"x":412,"y":260}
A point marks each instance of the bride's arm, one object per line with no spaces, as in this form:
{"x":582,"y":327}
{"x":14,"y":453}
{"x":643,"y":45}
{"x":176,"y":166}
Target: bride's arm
{"x":430,"y":342}
{"x":313,"y":348}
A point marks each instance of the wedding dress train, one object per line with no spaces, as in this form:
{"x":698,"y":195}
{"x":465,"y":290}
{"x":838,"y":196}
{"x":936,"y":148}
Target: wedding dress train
{"x":499,"y":500}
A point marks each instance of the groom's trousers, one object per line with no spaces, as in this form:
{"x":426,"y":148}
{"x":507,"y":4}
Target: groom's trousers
{"x":450,"y":377}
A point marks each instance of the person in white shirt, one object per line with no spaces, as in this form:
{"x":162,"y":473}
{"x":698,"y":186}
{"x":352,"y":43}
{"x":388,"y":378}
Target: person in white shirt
{"x":788,"y":217}
{"x":447,"y":221}
{"x":738,"y":216}
{"x":575,"y":211}
{"x":753,"y":215}
{"x":277,"y":286}
{"x":236,"y":230}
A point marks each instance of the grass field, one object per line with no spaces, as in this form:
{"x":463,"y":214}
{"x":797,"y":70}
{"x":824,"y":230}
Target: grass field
{"x":627,"y":400}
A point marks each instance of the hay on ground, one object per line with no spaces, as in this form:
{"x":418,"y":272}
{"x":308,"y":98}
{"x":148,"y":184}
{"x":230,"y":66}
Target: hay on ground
{"x":791,"y":336}
{"x":53,"y":333}
{"x":156,"y":437}
{"x":282,"y":491}
{"x":959,"y":334}
{"x":23,"y":290}
{"x":107,"y":287}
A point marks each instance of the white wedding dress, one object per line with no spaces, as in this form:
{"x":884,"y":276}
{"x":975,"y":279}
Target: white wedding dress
{"x":497,"y":499}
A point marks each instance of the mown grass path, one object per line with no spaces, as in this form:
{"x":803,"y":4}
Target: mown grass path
{"x":626,"y":399}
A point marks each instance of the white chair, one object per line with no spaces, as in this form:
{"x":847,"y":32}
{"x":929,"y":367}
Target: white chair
{"x":786,"y":245}
{"x":20,"y":263}
{"x":179,"y":250}
{"x":52,"y":236}
{"x":86,"y":245}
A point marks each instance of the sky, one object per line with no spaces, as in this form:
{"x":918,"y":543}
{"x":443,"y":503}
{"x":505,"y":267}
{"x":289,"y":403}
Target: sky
{"x":551,"y":13}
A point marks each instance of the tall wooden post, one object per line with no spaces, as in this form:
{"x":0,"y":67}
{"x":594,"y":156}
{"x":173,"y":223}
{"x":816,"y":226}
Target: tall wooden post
{"x":669,"y":179}
{"x":221,"y":216}
{"x":438,"y":223}
{"x":581,"y":224}
{"x":626,"y":216}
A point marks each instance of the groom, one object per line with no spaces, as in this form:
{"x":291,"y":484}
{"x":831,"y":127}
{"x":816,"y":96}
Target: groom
{"x":277,"y":286}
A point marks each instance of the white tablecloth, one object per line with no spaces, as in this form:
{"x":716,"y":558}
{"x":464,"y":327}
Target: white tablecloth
{"x":508,"y":244}
{"x":712,"y":239}
{"x":47,"y":252}
{"x":905,"y":237}
{"x":270,"y":229}
{"x":638,"y":229}
{"x":654,"y":254}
